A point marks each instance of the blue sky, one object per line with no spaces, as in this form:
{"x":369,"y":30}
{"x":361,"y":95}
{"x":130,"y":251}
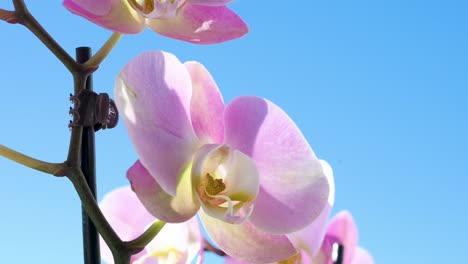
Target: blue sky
{"x":379,"y":89}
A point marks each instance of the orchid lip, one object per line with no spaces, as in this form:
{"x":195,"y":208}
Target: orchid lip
{"x":226,"y":181}
{"x":146,"y":8}
{"x":158,"y":9}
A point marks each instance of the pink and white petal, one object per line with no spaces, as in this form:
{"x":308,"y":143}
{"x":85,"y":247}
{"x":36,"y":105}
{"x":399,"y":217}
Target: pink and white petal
{"x":196,"y":242}
{"x":153,"y":94}
{"x":343,"y":230}
{"x":310,"y":238}
{"x":168,"y":208}
{"x":210,"y":2}
{"x":116,"y":15}
{"x":293,"y":187}
{"x":201,"y":25}
{"x":362,"y":256}
{"x":126,"y":215}
{"x":247,"y":243}
{"x":207,"y":105}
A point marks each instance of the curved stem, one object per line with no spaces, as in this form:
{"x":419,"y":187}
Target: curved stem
{"x":89,"y":203}
{"x":122,"y":251}
{"x":26,"y":19}
{"x":139,"y":243}
{"x":102,"y":53}
{"x":121,"y":258}
{"x":56,"y":169}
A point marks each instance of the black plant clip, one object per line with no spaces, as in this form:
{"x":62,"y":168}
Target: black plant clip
{"x":92,"y":109}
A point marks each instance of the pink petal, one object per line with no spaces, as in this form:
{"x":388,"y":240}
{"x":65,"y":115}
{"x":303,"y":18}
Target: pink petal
{"x":171,"y":209}
{"x":207,"y":105}
{"x":293,"y":188}
{"x":361,"y":256}
{"x":201,"y":25}
{"x":343,"y":230}
{"x":153,"y":94}
{"x":210,"y":2}
{"x":310,"y":238}
{"x":116,"y":15}
{"x":247,"y":243}
{"x":231,"y":260}
{"x":126,"y":215}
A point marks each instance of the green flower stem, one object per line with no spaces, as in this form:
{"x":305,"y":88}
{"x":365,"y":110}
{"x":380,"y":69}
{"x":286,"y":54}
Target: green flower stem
{"x":139,"y":243}
{"x":89,"y":203}
{"x":56,"y":169}
{"x":26,"y":19}
{"x":102,"y":53}
{"x":122,"y":251}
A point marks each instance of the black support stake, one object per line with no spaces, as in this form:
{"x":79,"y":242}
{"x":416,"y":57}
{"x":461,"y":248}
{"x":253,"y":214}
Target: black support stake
{"x":338,"y":253}
{"x":88,"y":166}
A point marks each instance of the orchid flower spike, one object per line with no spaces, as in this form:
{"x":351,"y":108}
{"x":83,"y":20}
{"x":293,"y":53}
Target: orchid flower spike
{"x":174,"y":244}
{"x":246,"y":165}
{"x":195,"y":21}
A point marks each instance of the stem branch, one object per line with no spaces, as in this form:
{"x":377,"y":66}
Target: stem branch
{"x":56,"y":169}
{"x":89,"y":204}
{"x":139,"y":243}
{"x":26,"y":19}
{"x":8,"y":16}
{"x":102,"y":53}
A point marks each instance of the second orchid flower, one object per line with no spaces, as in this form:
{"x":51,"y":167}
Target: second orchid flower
{"x":195,"y":21}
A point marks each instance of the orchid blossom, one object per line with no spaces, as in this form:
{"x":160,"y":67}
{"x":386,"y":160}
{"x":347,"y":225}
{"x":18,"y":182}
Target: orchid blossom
{"x":175,"y":243}
{"x":246,"y":165}
{"x":342,"y":231}
{"x":195,"y":21}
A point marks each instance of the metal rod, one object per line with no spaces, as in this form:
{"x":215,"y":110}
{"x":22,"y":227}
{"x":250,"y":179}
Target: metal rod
{"x":88,"y":166}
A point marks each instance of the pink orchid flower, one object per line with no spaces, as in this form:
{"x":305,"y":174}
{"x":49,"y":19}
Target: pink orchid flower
{"x":341,"y":231}
{"x":246,"y":164}
{"x":175,"y":243}
{"x":195,"y":21}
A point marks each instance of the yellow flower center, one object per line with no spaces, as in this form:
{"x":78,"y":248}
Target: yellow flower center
{"x":209,"y":187}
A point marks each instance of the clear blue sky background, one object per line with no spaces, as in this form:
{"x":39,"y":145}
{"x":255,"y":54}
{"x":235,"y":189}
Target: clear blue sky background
{"x":379,"y":88}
